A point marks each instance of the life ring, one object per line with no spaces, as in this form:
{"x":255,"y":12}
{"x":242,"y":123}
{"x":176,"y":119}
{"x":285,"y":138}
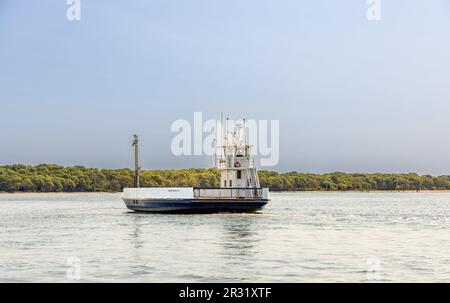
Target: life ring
{"x":237,"y":164}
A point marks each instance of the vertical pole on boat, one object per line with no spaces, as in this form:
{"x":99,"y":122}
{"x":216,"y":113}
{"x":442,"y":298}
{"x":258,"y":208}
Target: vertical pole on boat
{"x":216,"y":144}
{"x":225,"y":150}
{"x":222,"y":139}
{"x":245,"y":138}
{"x":136,"y":160}
{"x":226,"y":139}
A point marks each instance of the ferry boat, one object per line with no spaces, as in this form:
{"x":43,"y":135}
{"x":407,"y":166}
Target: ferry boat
{"x":239,"y":189}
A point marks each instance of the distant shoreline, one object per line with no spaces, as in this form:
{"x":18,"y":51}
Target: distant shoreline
{"x":54,"y":178}
{"x":272,"y":191}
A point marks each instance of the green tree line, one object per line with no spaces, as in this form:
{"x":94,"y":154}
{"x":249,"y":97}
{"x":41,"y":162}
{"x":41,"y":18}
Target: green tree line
{"x":55,"y":178}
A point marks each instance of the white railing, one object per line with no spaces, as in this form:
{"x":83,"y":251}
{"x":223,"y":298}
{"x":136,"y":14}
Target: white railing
{"x":228,"y":193}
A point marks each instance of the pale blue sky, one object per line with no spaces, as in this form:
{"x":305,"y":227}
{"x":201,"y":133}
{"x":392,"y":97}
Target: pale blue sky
{"x":351,"y":95}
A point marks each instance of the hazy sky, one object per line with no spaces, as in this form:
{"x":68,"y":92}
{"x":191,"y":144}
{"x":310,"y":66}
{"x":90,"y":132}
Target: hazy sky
{"x":350,"y":94}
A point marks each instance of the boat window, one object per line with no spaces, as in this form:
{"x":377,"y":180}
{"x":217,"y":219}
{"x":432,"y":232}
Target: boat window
{"x":238,"y":174}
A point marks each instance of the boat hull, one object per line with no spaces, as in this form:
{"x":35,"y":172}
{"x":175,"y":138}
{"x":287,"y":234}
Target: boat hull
{"x":195,"y":205}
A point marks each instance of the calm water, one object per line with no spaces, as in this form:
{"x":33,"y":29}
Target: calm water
{"x":298,"y":237}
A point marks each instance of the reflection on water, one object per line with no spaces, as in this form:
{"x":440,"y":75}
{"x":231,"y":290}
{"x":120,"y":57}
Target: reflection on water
{"x":136,"y":230}
{"x":239,"y":235}
{"x":298,"y":237}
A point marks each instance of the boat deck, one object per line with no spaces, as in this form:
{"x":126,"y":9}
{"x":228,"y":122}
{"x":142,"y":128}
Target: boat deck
{"x":195,"y":200}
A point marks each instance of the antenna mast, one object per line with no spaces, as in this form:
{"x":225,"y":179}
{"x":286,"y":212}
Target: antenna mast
{"x":136,"y":160}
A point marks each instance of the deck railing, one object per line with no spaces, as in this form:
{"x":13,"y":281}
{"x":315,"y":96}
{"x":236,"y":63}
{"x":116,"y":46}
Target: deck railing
{"x":228,"y":193}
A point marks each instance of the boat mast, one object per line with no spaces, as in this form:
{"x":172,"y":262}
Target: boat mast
{"x":136,"y":161}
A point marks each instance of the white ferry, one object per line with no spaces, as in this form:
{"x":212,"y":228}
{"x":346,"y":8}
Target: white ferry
{"x":239,"y":190}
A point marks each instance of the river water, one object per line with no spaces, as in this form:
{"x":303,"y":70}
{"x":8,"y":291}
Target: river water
{"x":298,"y":237}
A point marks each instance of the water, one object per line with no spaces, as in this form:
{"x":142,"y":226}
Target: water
{"x":298,"y":237}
